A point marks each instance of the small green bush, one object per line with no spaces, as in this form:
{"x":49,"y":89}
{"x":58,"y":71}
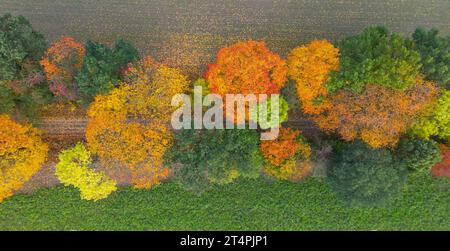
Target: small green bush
{"x":283,"y":108}
{"x":363,"y":176}
{"x":418,"y":154}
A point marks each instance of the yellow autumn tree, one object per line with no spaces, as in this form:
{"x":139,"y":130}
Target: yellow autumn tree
{"x":22,"y":152}
{"x":309,"y":66}
{"x":130,"y":125}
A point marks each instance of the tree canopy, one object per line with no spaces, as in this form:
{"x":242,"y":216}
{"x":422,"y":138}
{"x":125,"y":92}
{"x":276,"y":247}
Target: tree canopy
{"x":363,"y":176}
{"x":309,"y":67}
{"x":103,"y":67}
{"x":61,"y":64}
{"x":435,"y":55}
{"x":22,"y":152}
{"x":203,"y":157}
{"x":21,"y":47}
{"x":131,"y":123}
{"x":379,"y":116}
{"x":375,"y":56}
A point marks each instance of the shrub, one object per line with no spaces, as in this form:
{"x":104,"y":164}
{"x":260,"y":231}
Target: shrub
{"x":418,"y":154}
{"x":309,"y":66}
{"x":288,"y":156}
{"x":214,"y":157}
{"x":73,"y":170}
{"x":283,"y":108}
{"x":375,"y":56}
{"x":22,"y":152}
{"x":437,"y":122}
{"x":102,"y":66}
{"x":442,"y":169}
{"x":361,"y":175}
{"x":435,"y":55}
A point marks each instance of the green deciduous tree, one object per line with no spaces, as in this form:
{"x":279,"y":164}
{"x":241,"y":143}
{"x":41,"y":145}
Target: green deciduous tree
{"x":435,"y":55}
{"x":203,"y":157}
{"x":21,"y":47}
{"x":375,"y":56}
{"x":361,"y":175}
{"x":102,"y":66}
{"x":22,"y":84}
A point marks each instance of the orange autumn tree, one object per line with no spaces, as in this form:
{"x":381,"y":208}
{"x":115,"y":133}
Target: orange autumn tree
{"x":61,"y":62}
{"x":309,"y":66}
{"x":288,"y":156}
{"x":130,"y":125}
{"x":379,"y":115}
{"x":246,"y":68}
{"x":22,"y":153}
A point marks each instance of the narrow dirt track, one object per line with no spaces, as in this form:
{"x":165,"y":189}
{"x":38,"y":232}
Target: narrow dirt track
{"x":63,"y":127}
{"x":75,"y":127}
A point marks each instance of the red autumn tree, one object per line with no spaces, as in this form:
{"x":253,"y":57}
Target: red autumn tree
{"x":442,"y":169}
{"x":61,"y":62}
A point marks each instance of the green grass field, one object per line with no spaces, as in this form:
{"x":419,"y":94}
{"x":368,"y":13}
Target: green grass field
{"x":245,"y":205}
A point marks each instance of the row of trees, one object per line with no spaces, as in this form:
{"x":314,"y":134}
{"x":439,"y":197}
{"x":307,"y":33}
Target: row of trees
{"x":33,"y":74}
{"x":384,"y":99}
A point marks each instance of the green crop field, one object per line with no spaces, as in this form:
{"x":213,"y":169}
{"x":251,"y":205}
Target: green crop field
{"x":245,"y":205}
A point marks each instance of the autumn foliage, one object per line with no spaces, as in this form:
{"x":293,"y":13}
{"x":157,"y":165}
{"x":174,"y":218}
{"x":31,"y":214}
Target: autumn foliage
{"x":131,"y":124}
{"x":379,"y":115}
{"x":74,"y":169}
{"x":22,"y":153}
{"x":442,"y":169}
{"x":287,"y":156}
{"x":246,"y":68}
{"x":309,"y":66}
{"x":61,"y":63}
